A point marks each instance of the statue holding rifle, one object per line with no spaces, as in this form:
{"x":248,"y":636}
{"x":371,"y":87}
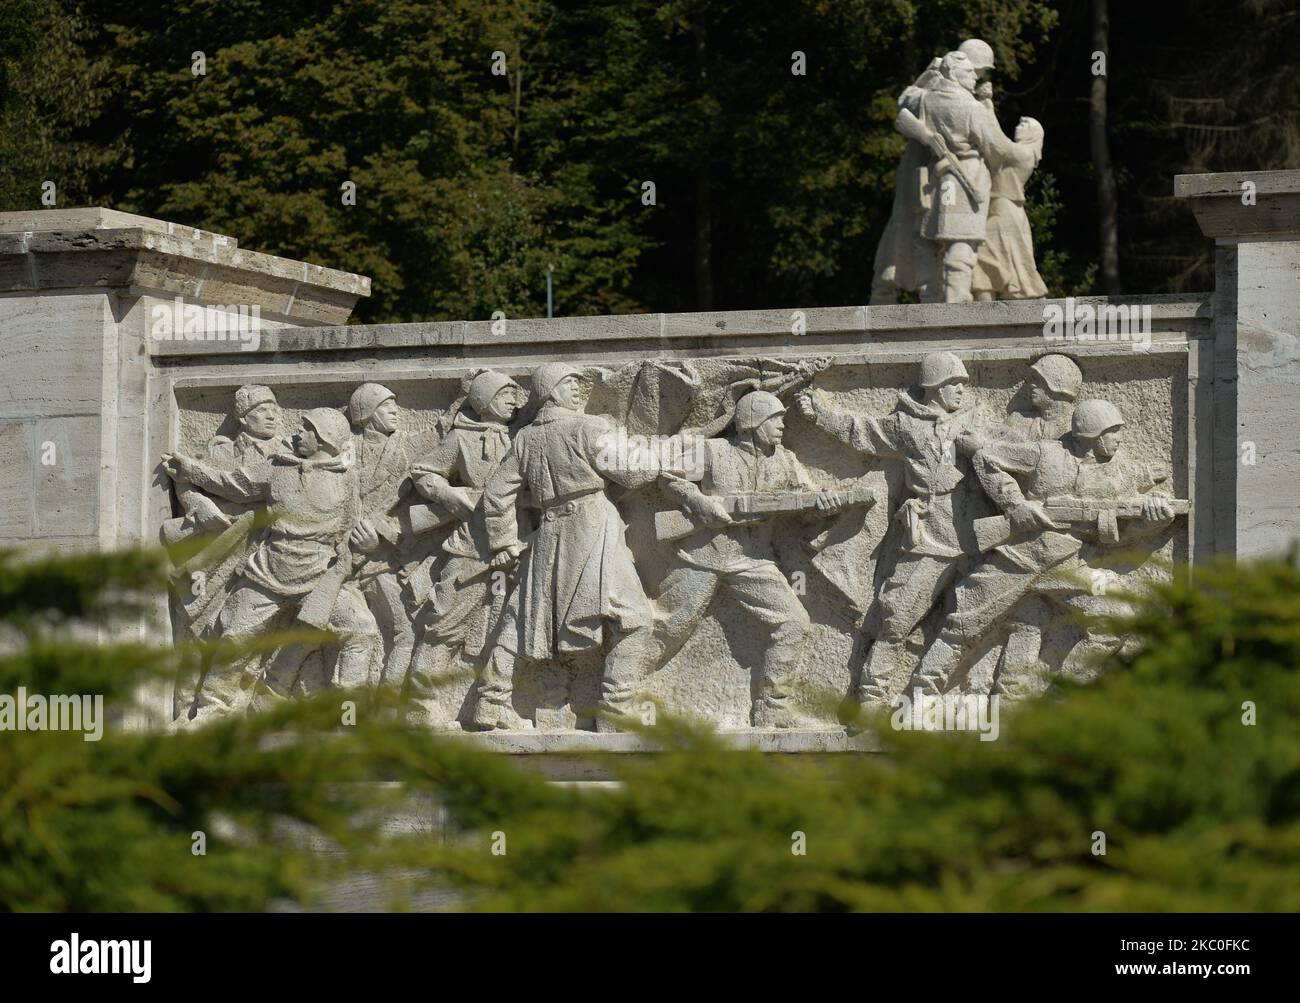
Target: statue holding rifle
{"x":724,"y":531}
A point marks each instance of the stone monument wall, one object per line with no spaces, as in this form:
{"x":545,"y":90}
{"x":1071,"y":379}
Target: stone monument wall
{"x":108,"y":377}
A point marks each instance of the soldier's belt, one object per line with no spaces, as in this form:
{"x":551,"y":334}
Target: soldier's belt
{"x":1076,"y":514}
{"x":754,"y":506}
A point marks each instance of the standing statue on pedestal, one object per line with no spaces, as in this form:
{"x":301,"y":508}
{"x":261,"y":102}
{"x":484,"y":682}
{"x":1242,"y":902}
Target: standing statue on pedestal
{"x":944,"y":181}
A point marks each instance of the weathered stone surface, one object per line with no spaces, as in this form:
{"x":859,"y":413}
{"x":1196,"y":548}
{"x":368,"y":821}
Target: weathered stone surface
{"x":1255,"y":219}
{"x":508,"y":556}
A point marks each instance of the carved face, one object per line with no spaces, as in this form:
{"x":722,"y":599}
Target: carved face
{"x":305,"y":441}
{"x":386,"y":417}
{"x":263,"y":421}
{"x":1108,"y":443}
{"x":964,"y":74}
{"x":572,"y":393}
{"x":769,"y":434}
{"x":1039,"y":396}
{"x":950,"y":395}
{"x":503,"y":406}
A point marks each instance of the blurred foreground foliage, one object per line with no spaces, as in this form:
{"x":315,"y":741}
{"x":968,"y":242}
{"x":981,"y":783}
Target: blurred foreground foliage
{"x":1200,"y":810}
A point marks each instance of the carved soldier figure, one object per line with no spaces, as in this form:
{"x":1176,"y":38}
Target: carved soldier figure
{"x":735,"y":556}
{"x":298,"y":566}
{"x":258,"y":439}
{"x":1053,"y":387}
{"x":576,"y":580}
{"x":904,"y":258}
{"x":213,"y":568}
{"x":383,"y":470}
{"x":930,"y":437}
{"x":1026,"y":481}
{"x":459,"y":610}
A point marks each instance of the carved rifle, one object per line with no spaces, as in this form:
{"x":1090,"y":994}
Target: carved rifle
{"x":1074,"y":513}
{"x":913,"y":128}
{"x":754,"y":506}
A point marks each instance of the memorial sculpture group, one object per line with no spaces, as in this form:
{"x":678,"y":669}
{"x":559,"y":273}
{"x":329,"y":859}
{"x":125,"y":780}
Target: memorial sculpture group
{"x":958,"y":229}
{"x":506,"y":545}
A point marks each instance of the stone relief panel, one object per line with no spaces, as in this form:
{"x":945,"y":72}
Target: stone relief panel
{"x":744,"y":540}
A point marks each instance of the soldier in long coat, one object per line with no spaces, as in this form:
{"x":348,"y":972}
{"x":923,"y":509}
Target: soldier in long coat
{"x":577,"y":584}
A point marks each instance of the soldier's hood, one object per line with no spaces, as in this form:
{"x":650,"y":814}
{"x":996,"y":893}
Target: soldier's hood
{"x":464,"y":421}
{"x":951,"y":89}
{"x":909,"y":404}
{"x":340,"y":463}
{"x":550,"y":411}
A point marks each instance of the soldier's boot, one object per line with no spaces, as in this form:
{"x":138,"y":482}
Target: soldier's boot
{"x":958,"y":270}
{"x":490,"y":715}
{"x":493,"y":708}
{"x":772,"y":714}
{"x":872,"y":692}
{"x":876,"y":672}
{"x":630,"y":658}
{"x":615,"y":716}
{"x":931,"y":676}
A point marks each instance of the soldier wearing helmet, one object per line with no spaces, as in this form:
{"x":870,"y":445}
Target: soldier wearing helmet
{"x":384,"y":456}
{"x":1040,"y":554}
{"x":735,"y":558}
{"x":458,"y":611}
{"x":296,"y":570}
{"x":258,"y":416}
{"x":576,"y":583}
{"x":1052,"y":388}
{"x":931,"y":438}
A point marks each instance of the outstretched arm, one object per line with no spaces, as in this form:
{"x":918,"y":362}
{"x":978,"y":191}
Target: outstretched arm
{"x":250,"y":483}
{"x":875,"y":437}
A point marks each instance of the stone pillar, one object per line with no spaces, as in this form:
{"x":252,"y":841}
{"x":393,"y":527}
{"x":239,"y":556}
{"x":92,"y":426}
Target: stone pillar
{"x":82,"y":292}
{"x":1254,"y":218}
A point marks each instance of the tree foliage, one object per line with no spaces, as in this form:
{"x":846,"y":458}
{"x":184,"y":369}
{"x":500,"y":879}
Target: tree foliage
{"x":1200,"y":807}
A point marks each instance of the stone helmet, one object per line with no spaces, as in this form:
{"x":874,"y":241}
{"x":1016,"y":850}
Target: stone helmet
{"x":1094,"y":418}
{"x":755,"y":408}
{"x":331,"y":427}
{"x":250,"y":396}
{"x":548,"y":375}
{"x":939,"y":368}
{"x":979,"y":52}
{"x":484,"y":386}
{"x":1060,"y":374}
{"x":365,"y":399}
